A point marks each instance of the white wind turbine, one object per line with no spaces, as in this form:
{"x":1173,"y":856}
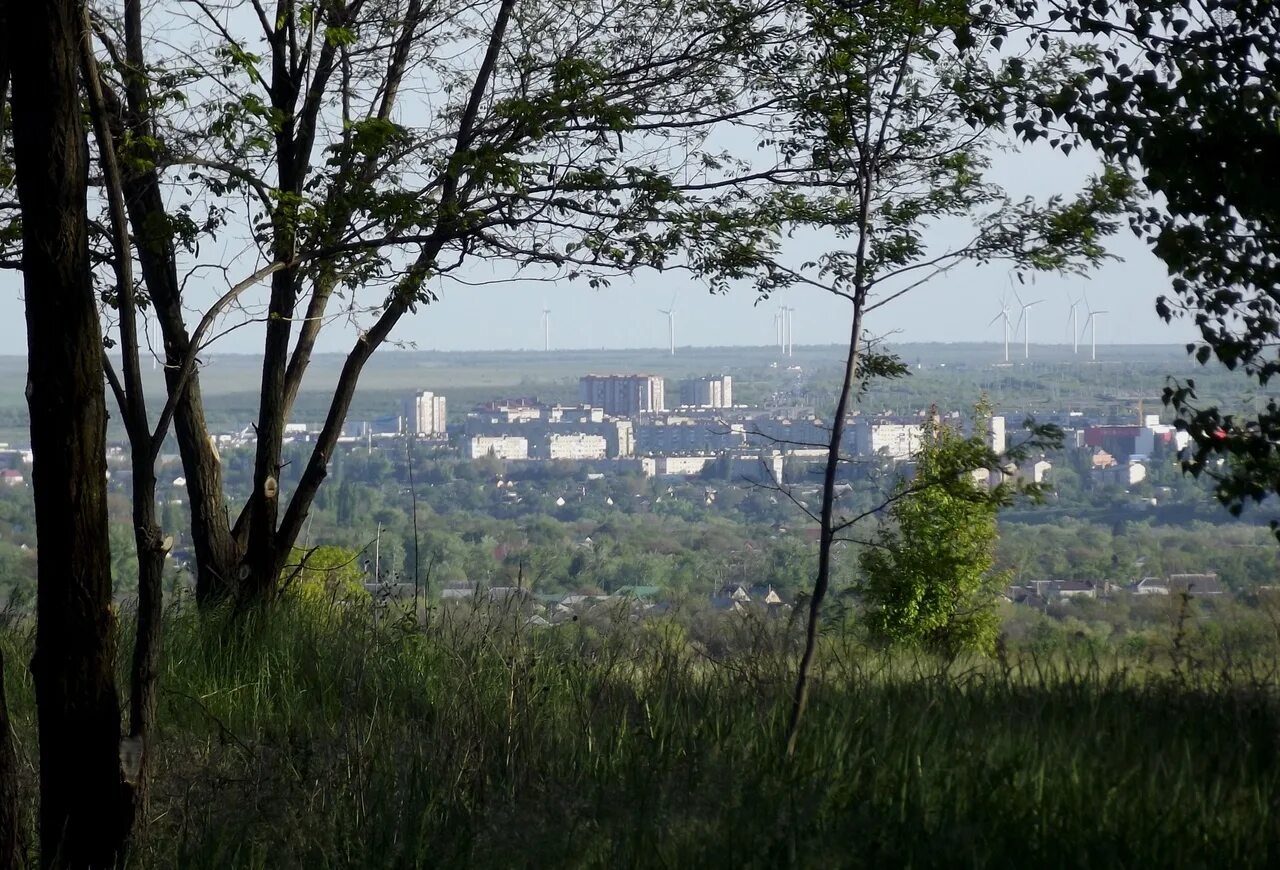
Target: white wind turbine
{"x":1091,"y":324}
{"x":786,"y":333}
{"x":1003,"y":315}
{"x":546,"y":327}
{"x":670,"y":311}
{"x":1075,"y":328}
{"x":1024,"y":321}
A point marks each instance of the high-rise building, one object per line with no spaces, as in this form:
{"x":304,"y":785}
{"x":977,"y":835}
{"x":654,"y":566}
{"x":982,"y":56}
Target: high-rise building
{"x":427,"y":416}
{"x":996,"y":435}
{"x":715,"y":391}
{"x":623,"y":395}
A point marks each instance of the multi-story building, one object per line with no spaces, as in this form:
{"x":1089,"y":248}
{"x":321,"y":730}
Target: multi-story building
{"x":689,"y":437}
{"x":618,"y":436}
{"x":891,"y":439}
{"x":761,"y":468}
{"x":996,"y":438}
{"x":572,"y":414}
{"x":682,"y":466}
{"x":497,"y":446}
{"x":573,"y":445}
{"x":427,"y":415}
{"x":623,"y":395}
{"x":715,"y":391}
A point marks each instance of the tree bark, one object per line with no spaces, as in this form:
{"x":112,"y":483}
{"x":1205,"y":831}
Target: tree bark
{"x":10,"y":832}
{"x":10,"y":835}
{"x":83,"y":819}
{"x":148,"y":541}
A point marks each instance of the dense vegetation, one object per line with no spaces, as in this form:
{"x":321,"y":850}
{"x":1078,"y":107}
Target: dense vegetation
{"x":312,"y":738}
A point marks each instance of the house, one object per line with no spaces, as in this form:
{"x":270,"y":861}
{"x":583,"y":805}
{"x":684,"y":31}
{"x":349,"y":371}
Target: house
{"x":1033,"y":471}
{"x":1121,"y":474}
{"x":11,"y":477}
{"x":766,"y":596}
{"x":726,"y":604}
{"x":1026,"y":596}
{"x":1191,"y":584}
{"x":1196,"y":584}
{"x":642,"y":593}
{"x":1150,"y":586}
{"x":1038,"y":592}
{"x":1075,"y":589}
{"x":1101,"y":459}
{"x":508,"y":596}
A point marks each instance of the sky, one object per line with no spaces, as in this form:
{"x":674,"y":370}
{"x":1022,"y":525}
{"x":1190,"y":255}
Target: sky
{"x":958,"y":306}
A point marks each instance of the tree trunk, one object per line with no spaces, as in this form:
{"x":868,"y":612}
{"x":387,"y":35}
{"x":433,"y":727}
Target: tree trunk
{"x":827,"y":530}
{"x":217,"y":554}
{"x":83,"y":819}
{"x":146,"y":646}
{"x":10,"y":839}
{"x":216,"y":551}
{"x":133,"y":408}
{"x":10,"y":833}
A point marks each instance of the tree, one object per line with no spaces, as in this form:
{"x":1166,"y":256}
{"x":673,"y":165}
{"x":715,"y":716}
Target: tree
{"x":928,"y":579}
{"x":894,"y":109}
{"x":10,"y":833}
{"x":1185,"y":94}
{"x":83,"y":819}
{"x":10,"y":824}
{"x":572,"y":138}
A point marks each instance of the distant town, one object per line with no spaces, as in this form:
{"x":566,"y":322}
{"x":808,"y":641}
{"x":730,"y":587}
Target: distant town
{"x":626,"y":423}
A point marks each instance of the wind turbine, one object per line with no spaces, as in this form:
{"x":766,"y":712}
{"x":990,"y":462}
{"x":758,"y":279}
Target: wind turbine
{"x":1025,"y":322}
{"x":546,"y":328}
{"x":790,"y":348}
{"x":777,"y":328}
{"x":1003,"y":315}
{"x":671,"y":322}
{"x":1075,"y":329}
{"x":1091,"y":324}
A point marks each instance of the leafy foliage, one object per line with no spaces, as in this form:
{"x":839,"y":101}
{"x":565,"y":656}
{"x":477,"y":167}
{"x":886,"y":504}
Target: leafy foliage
{"x":328,"y":574}
{"x":928,"y":579}
{"x":1185,"y":94}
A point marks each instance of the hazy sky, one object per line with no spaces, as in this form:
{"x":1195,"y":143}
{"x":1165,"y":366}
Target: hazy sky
{"x":957,"y":307}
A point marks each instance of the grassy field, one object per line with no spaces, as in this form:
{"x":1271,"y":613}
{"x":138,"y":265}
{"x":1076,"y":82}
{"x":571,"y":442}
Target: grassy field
{"x":314,"y":739}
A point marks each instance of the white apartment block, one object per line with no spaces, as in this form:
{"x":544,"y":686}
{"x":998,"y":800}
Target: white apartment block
{"x":710,"y":392}
{"x":682,"y":466}
{"x":891,"y":440}
{"x":623,"y":395}
{"x":427,"y":415}
{"x":577,"y":446}
{"x":996,"y":438}
{"x":497,"y":446}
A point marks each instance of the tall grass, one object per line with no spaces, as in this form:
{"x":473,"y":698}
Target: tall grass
{"x":311,"y":738}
